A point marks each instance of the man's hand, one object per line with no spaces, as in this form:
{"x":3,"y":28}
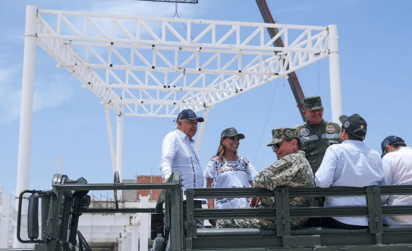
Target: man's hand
{"x":255,"y":201}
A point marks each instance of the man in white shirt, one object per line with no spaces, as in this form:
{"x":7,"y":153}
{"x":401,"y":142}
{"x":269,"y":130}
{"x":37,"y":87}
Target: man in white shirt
{"x":179,"y":155}
{"x":397,"y":167}
{"x":353,"y":164}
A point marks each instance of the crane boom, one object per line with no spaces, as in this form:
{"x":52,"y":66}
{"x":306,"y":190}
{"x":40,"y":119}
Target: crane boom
{"x":292,"y":78}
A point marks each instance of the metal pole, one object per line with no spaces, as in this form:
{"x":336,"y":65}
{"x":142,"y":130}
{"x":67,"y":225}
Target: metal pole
{"x":202,"y":130}
{"x":119,"y":145}
{"x":335,"y":88}
{"x":26,"y":117}
{"x":110,"y":133}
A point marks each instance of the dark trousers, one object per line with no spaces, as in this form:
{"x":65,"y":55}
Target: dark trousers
{"x":332,"y":223}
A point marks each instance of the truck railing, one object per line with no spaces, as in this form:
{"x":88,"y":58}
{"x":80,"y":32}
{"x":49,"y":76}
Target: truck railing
{"x":286,"y":237}
{"x":171,"y":219}
{"x":68,"y":199}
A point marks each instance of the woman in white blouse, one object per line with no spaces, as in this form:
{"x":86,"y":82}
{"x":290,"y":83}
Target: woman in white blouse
{"x":227,"y":169}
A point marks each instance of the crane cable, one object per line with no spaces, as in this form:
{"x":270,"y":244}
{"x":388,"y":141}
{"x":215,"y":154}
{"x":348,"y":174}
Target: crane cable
{"x":266,"y":123}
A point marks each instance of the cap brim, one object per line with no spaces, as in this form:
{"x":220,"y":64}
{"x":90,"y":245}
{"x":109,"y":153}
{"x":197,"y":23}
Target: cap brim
{"x":274,"y":141}
{"x":342,"y":118}
{"x":241,"y":136}
{"x":199,"y":119}
{"x":316,"y":108}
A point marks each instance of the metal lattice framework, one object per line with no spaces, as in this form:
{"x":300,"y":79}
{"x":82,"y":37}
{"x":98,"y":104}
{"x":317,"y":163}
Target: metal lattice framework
{"x":157,"y":66}
{"x":143,"y":66}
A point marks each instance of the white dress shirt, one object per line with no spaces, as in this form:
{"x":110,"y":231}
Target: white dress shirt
{"x":397,"y":167}
{"x":352,"y":164}
{"x":179,"y":155}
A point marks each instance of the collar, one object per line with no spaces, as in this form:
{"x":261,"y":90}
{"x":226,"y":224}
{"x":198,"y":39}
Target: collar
{"x":184,"y":135}
{"x":323,"y":122}
{"x":354,"y":142}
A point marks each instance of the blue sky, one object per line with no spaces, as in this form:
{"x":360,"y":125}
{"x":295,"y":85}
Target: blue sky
{"x":375,"y":61}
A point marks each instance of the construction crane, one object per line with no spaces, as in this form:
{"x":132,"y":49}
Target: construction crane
{"x":292,"y":78}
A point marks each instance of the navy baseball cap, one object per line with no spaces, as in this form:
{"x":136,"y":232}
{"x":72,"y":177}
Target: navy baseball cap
{"x":389,"y":141}
{"x":355,"y":125}
{"x":189,"y":114}
{"x":231,"y":132}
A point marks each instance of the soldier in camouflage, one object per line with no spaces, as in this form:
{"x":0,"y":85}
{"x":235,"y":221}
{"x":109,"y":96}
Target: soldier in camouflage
{"x":316,"y":134}
{"x":291,"y":169}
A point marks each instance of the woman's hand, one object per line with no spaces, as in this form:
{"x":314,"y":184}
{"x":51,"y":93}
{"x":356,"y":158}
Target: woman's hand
{"x":255,"y":201}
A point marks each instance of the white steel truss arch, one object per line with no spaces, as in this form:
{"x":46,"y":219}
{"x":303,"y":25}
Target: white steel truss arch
{"x":141,"y":66}
{"x":154,"y":67}
{"x":144,"y":66}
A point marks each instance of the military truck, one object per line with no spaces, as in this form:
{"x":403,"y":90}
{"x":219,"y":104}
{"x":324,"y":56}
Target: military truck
{"x":174,"y":222}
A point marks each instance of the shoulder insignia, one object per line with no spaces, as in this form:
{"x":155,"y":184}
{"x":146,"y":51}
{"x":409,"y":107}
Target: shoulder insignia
{"x":304,"y":132}
{"x":330,"y":129}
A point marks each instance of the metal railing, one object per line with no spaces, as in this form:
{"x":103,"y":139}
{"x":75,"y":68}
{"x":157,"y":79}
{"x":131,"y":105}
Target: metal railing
{"x":282,"y":213}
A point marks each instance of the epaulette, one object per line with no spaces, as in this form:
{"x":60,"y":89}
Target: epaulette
{"x":303,"y":124}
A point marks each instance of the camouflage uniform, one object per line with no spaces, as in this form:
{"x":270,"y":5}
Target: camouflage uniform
{"x":315,"y":139}
{"x":292,"y":170}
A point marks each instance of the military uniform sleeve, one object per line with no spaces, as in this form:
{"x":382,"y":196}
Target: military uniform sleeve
{"x":169,"y":150}
{"x":326,"y":171}
{"x":273,"y":176}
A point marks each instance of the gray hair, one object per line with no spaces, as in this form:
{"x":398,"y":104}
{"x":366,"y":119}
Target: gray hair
{"x":177,"y":125}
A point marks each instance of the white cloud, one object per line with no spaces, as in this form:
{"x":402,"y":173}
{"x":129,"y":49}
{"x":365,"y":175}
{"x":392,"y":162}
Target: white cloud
{"x":45,"y":95}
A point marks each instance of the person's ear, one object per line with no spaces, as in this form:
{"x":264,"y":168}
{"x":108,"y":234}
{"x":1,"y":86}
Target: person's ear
{"x":343,"y":134}
{"x":305,"y":111}
{"x":390,"y":148}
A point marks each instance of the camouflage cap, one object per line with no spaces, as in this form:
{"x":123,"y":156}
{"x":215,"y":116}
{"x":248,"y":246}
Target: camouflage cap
{"x":313,"y":103}
{"x":281,"y":134}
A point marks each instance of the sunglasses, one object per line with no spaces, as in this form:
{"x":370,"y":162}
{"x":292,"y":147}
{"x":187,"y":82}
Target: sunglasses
{"x":277,"y":145}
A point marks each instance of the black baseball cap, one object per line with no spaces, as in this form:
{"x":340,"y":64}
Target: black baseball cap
{"x":231,"y":132}
{"x":389,"y":141}
{"x":189,"y":114}
{"x":354,"y":125}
